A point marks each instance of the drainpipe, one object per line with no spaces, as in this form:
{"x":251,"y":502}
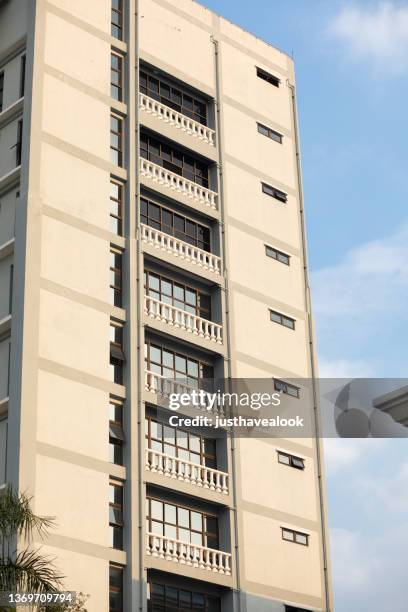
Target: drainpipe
{"x":140,"y":330}
{"x":312,"y":355}
{"x":224,"y":251}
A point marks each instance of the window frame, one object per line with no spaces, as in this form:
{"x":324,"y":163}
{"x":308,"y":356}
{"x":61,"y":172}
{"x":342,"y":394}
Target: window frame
{"x":268,"y":77}
{"x":201,"y":365}
{"x":295,"y":535}
{"x":167,"y":83}
{"x":116,"y":276}
{"x":117,"y":157}
{"x":284,"y":387}
{"x":200,"y":175}
{"x":278,"y":255}
{"x":116,"y":432}
{"x":23,"y":63}
{"x":117,"y":11}
{"x":179,"y":527}
{"x":275,"y":193}
{"x":164,"y":227}
{"x":19,"y":143}
{"x":270,"y":133}
{"x":113,"y":567}
{"x":116,"y":518}
{"x":282,"y":319}
{"x":157,"y":605}
{"x":164,"y":442}
{"x":119,"y":204}
{"x":200,"y":311}
{"x":291,"y":460}
{"x":116,"y":352}
{"x":1,"y":90}
{"x":118,"y":87}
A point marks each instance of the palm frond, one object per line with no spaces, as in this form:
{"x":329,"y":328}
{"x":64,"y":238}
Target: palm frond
{"x":30,"y":572}
{"x":17,"y":518}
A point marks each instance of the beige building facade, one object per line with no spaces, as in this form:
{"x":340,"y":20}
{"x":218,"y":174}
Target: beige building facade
{"x":151,"y":227}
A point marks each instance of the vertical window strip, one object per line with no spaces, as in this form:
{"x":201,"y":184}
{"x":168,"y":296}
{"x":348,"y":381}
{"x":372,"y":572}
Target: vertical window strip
{"x":117,"y":19}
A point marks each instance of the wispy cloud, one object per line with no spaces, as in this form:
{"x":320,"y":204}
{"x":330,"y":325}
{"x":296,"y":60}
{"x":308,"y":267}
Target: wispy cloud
{"x":345,"y":368}
{"x":369,"y":536}
{"x":360,"y":309}
{"x":344,"y":453}
{"x":376,"y":33}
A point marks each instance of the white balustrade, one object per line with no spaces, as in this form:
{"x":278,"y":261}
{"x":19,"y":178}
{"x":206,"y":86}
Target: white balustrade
{"x":194,"y":555}
{"x":183,"y":320}
{"x":173,"y":117}
{"x":174,"y":181}
{"x":187,"y":471}
{"x":160,"y":384}
{"x":179,"y":248}
{"x":156,"y":383}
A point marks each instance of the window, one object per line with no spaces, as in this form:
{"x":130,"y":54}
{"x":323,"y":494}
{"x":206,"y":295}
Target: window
{"x":166,"y":598}
{"x":277,"y":317}
{"x":116,"y":434}
{"x":274,"y":193}
{"x":278,"y":255}
{"x":19,"y":142}
{"x":116,"y":208}
{"x":182,"y":444}
{"x":117,"y":77}
{"x":116,"y":277}
{"x":174,"y":365}
{"x":116,"y":140}
{"x":117,"y":19}
{"x":284,"y":387}
{"x":22,"y":75}
{"x":1,"y":91}
{"x":266,"y":76}
{"x":11,"y":288}
{"x":159,"y":88}
{"x":291,"y":460}
{"x":3,"y":449}
{"x":116,"y":515}
{"x":270,"y":133}
{"x":117,"y":357}
{"x":174,"y":160}
{"x":177,"y":295}
{"x":115,"y":588}
{"x":181,"y":523}
{"x":174,"y":224}
{"x":295,"y":536}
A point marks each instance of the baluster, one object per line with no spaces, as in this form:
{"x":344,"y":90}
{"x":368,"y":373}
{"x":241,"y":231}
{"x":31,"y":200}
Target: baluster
{"x":214,"y":564}
{"x":148,"y":544}
{"x":207,"y":559}
{"x":169,"y":549}
{"x":200,"y":475}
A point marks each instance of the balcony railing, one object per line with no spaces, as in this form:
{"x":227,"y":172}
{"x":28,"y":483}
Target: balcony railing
{"x":181,"y":249}
{"x":168,"y":115}
{"x":183,"y":320}
{"x":187,"y":471}
{"x":178,"y":183}
{"x":188,"y":554}
{"x":156,"y":383}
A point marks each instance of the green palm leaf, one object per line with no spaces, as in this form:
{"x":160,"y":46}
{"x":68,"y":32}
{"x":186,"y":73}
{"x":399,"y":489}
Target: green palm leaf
{"x":30,"y":572}
{"x":17,"y":518}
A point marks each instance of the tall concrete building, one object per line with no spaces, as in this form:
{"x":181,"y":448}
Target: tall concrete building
{"x":151,"y":227}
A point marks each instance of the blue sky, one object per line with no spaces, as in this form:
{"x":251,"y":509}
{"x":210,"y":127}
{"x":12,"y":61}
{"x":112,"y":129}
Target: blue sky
{"x":352,"y":65}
